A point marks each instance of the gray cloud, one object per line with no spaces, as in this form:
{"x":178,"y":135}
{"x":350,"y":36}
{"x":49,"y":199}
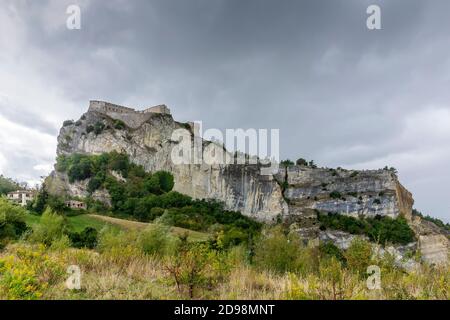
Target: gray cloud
{"x":340,"y":94}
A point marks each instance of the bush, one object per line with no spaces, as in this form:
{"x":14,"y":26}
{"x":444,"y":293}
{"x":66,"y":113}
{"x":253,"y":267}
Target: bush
{"x":302,"y":162}
{"x":379,"y":229}
{"x":89,"y":129}
{"x":51,"y":228}
{"x":99,"y":127}
{"x":67,"y":123}
{"x":119,"y":124}
{"x":328,"y":250}
{"x":155,"y":240}
{"x":286,"y":163}
{"x":88,"y":238}
{"x":359,"y":256}
{"x":166,"y":181}
{"x":195,"y":265}
{"x":12,"y":220}
{"x":335,"y":195}
{"x":119,"y":247}
{"x":278,"y":252}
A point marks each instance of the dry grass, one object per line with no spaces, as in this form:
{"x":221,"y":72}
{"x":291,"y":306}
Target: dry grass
{"x":137,"y":226}
{"x":126,"y":273}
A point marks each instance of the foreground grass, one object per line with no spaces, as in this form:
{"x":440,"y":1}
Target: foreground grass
{"x":124,"y":273}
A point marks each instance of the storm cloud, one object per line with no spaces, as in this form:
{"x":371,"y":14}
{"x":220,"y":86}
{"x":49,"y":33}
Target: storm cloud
{"x":340,"y":94}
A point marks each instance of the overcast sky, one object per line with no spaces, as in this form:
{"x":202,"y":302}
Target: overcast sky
{"x":340,"y":94}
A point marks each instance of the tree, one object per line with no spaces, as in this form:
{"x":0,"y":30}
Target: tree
{"x":286,"y":163}
{"x":7,"y":185}
{"x":51,"y":228}
{"x":277,"y":251}
{"x":194,"y":265}
{"x":302,"y":162}
{"x":12,"y":220}
{"x":359,"y":255}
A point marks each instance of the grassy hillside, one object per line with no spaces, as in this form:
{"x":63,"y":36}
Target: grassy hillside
{"x":135,"y":260}
{"x":76,"y":223}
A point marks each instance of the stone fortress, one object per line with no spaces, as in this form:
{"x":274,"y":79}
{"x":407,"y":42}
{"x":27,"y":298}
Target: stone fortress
{"x":131,"y":117}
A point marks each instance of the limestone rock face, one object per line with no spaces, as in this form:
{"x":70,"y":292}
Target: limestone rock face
{"x":434,"y":243}
{"x":146,"y":137}
{"x":354,"y":193}
{"x":294,"y":194}
{"x":148,"y":142}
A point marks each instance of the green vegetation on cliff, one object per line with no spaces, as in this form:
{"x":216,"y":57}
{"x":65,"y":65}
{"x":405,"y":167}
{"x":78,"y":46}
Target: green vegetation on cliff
{"x":436,"y":221}
{"x":378,"y":229}
{"x":148,"y":196}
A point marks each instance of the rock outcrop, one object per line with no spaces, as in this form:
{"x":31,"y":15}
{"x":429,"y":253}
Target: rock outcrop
{"x":293,"y":194}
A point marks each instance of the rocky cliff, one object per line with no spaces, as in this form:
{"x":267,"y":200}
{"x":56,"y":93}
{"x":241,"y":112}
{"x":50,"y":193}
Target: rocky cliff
{"x":293,"y":194}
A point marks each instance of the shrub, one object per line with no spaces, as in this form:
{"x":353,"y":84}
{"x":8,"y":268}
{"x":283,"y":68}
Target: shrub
{"x":155,"y":240}
{"x":89,"y":129}
{"x":195,"y":265}
{"x":335,"y":195}
{"x":165,"y":179}
{"x":99,"y":127}
{"x":51,"y":228}
{"x":329,"y":250}
{"x":88,"y":238}
{"x":119,"y":247}
{"x":12,"y":220}
{"x":67,"y":123}
{"x":286,"y":163}
{"x":119,"y":124}
{"x":359,"y":256}
{"x":379,"y":229}
{"x":277,"y":251}
{"x":302,"y":162}
{"x":331,"y":274}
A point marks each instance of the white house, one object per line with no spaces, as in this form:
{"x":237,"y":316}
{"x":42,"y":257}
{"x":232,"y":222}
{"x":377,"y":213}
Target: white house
{"x":21,"y":197}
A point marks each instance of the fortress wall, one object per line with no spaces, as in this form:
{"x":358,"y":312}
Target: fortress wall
{"x":102,"y":106}
{"x":129,"y":116}
{"x":163,"y":109}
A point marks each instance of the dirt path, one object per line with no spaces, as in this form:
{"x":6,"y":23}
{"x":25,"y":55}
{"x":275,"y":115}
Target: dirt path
{"x":127,"y":224}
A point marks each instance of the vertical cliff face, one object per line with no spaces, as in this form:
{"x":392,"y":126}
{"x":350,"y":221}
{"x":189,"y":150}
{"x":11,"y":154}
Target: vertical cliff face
{"x":294,"y":194}
{"x":354,"y":193}
{"x":147,"y":139}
